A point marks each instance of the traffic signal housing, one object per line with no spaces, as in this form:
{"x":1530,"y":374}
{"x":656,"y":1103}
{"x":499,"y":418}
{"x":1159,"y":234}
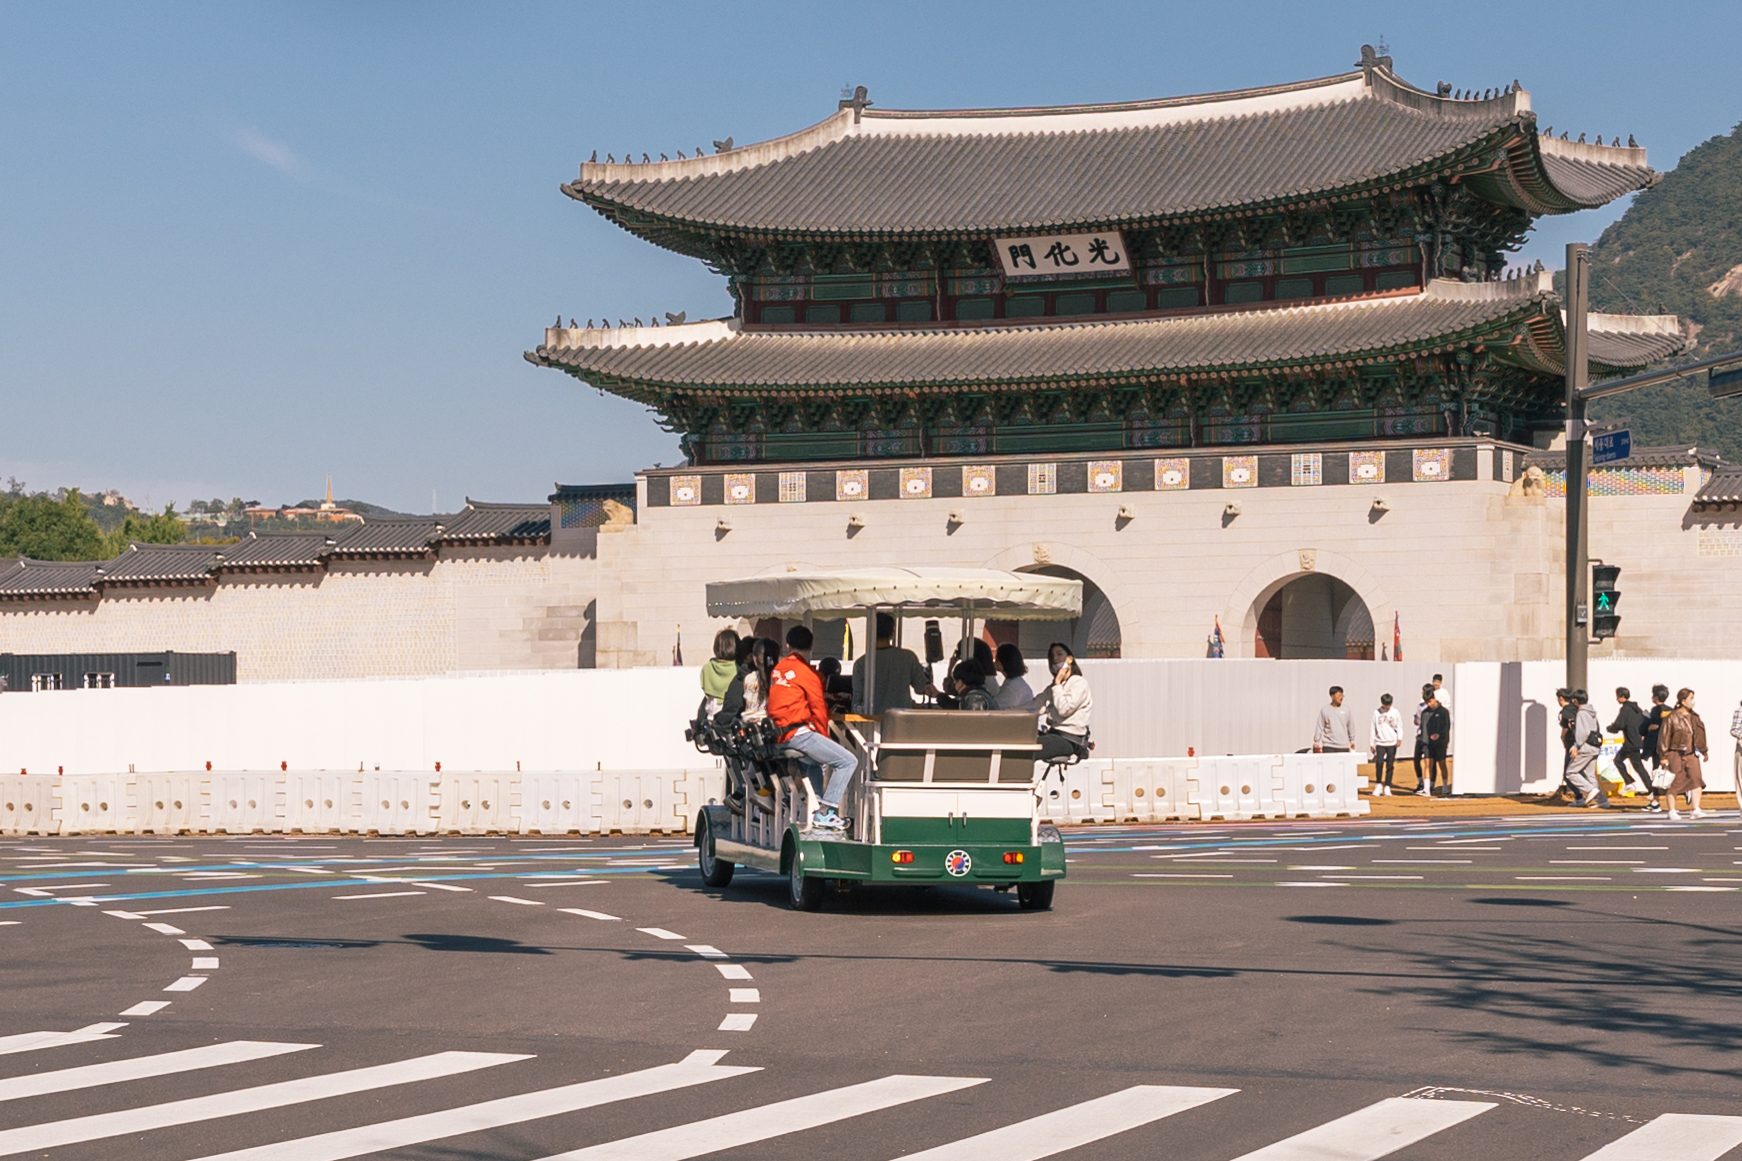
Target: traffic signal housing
{"x":1604,"y":597}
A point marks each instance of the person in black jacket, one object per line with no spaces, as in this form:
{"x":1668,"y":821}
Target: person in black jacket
{"x":1436,"y":733}
{"x":1630,"y":724}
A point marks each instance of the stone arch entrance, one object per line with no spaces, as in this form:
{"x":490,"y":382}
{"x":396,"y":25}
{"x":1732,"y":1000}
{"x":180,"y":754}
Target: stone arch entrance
{"x":1313,"y":615}
{"x":1252,"y":597}
{"x":1094,"y":634}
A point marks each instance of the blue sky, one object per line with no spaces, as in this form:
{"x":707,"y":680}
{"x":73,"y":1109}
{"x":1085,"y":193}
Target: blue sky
{"x":245,"y":246}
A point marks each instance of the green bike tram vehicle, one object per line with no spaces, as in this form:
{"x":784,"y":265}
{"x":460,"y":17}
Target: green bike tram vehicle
{"x":939,"y":796}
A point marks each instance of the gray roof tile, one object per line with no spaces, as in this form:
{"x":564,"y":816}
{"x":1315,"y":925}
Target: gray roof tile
{"x":1023,"y":170}
{"x":256,"y":552}
{"x":483,"y":523}
{"x":24,"y":578}
{"x":377,"y":538}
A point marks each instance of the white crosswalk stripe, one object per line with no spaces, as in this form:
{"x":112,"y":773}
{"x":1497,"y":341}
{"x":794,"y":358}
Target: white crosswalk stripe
{"x":228,"y":1104}
{"x":142,"y":1067}
{"x":697,"y":1068}
{"x":1373,"y":1132}
{"x":1053,"y":1133}
{"x":776,"y":1120}
{"x":1676,"y":1137}
{"x":31,"y":1041}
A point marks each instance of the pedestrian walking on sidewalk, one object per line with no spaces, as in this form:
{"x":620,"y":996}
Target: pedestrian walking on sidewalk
{"x":1334,"y":732}
{"x":1585,"y":743}
{"x":1683,"y":745}
{"x":1568,"y":714}
{"x":1736,"y":762}
{"x":1436,"y":729}
{"x":1630,"y":724}
{"x":1387,"y":732}
{"x":1654,"y":724}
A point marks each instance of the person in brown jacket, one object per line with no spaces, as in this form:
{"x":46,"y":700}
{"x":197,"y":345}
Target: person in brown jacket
{"x":1682,"y":744}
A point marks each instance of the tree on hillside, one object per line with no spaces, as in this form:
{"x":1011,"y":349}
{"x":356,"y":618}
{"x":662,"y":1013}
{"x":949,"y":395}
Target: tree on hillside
{"x":1678,"y":249}
{"x":164,"y":528}
{"x":44,"y":528}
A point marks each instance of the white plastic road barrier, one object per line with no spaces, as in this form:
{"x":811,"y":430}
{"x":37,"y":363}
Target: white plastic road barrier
{"x":1237,"y":787}
{"x":167,"y":803}
{"x":1078,"y":798}
{"x":316,"y":802}
{"x":1157,"y":789}
{"x":243,"y":802}
{"x":397,"y":803}
{"x":27,"y":805}
{"x":478,"y":804}
{"x":93,"y":804}
{"x":639,"y":801}
{"x":558,"y":803}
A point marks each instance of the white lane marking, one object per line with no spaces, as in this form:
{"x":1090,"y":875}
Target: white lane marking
{"x":204,"y":963}
{"x":124,"y":914}
{"x":512,"y":899}
{"x":186,"y":984}
{"x":10,"y":922}
{"x":195,"y":944}
{"x":590,"y":914}
{"x":1384,"y":878}
{"x":1676,"y":1137}
{"x":146,"y":1008}
{"x":141,"y":1067}
{"x":706,"y":951}
{"x":1459,"y":862}
{"x":1442,"y":846}
{"x":1666,"y":870}
{"x":738,"y":1022}
{"x":1617,"y":848}
{"x":437,"y":886}
{"x":733,"y":971}
{"x":48,"y":891}
{"x":126,"y":1122}
{"x":180,"y":911}
{"x":1560,"y":878}
{"x":1463,"y":842}
{"x":31,"y":1041}
{"x":164,"y":929}
{"x":1596,"y":862}
{"x":571,"y":883}
{"x":1320,"y":867}
{"x":1375,"y":1131}
{"x":1077,"y":1125}
{"x":1682,"y":888}
{"x":749,"y":1126}
{"x":99,"y":1028}
{"x":1312,"y":884}
{"x":698,"y":1068}
{"x":1176,"y":875}
{"x":382,"y":895}
{"x":659,"y":933}
{"x":744,"y":995}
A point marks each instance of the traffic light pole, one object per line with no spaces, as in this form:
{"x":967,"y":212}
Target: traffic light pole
{"x":1578,"y":371}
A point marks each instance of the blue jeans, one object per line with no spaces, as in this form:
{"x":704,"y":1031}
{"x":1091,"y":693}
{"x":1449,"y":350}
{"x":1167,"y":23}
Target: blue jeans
{"x":834,"y":761}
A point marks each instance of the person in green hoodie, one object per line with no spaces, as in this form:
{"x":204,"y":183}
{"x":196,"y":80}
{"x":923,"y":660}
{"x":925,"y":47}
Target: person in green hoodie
{"x":718,"y":673}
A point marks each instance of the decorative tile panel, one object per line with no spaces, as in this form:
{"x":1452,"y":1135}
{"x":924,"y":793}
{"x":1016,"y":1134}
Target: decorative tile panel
{"x":686,"y":491}
{"x":1043,"y":479}
{"x":1506,"y":467}
{"x":1663,"y":480}
{"x":1719,"y":540}
{"x":1239,"y":471}
{"x":1173,"y":475}
{"x":1433,"y":464}
{"x":1106,"y":475}
{"x":916,"y":483}
{"x":1367,"y":467}
{"x":853,"y":484}
{"x":1306,"y":469}
{"x":740,"y":488}
{"x":979,"y":481}
{"x":792,"y":487}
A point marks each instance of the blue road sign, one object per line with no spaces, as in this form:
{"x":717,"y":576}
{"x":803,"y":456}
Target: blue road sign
{"x":1611,"y":446}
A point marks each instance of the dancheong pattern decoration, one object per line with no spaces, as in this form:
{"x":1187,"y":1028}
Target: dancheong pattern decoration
{"x":1310,"y":263}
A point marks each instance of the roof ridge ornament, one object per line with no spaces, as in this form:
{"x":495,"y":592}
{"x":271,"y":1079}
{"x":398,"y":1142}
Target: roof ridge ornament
{"x":1371,"y":59}
{"x":857,"y":102}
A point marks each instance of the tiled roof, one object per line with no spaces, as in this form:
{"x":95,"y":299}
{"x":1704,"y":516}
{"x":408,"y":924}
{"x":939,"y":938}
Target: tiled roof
{"x":161,"y":564}
{"x":482,"y":523}
{"x":1723,"y":490}
{"x":24,"y":578}
{"x":255,"y":552}
{"x":376,"y":538}
{"x":1677,"y":455}
{"x":885,"y":173}
{"x":725,"y":358}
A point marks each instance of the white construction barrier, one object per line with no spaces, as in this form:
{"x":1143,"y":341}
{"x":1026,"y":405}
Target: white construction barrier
{"x":478,"y":804}
{"x":242,"y":802}
{"x":318,"y":802}
{"x":167,"y":803}
{"x":1155,"y":789}
{"x":396,"y":803}
{"x":1078,"y":797}
{"x":27,"y":805}
{"x":1238,"y":787}
{"x":92,"y":804}
{"x":558,"y":803}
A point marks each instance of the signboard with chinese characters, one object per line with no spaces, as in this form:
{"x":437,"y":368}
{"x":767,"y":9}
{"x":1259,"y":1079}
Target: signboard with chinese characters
{"x":1067,"y":254}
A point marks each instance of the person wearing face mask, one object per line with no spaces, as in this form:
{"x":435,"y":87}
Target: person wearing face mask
{"x":1682,"y":745}
{"x":1067,"y":703}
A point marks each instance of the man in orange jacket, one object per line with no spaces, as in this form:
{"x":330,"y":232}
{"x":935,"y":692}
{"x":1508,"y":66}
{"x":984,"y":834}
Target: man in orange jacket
{"x":795,"y":703}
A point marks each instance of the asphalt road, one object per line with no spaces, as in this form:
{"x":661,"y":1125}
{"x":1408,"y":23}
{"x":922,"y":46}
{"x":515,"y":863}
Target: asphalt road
{"x":1536,"y":989}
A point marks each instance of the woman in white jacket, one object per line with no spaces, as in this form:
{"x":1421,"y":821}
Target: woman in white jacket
{"x":1387,"y":733}
{"x":1068,"y":704}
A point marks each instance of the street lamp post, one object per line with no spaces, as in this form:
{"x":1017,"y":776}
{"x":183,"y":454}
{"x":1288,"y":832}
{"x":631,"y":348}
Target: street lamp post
{"x":1578,"y":372}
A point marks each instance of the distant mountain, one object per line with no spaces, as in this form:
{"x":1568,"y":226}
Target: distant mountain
{"x":1678,"y":249}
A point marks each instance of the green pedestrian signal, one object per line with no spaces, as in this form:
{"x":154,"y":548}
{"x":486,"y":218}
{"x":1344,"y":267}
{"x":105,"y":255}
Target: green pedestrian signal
{"x":1604,"y":598}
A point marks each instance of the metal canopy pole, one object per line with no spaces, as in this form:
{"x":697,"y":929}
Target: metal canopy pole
{"x":1578,"y":372}
{"x":868,"y":696}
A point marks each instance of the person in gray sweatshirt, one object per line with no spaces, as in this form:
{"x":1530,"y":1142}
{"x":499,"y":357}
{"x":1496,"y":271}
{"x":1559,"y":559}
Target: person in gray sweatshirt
{"x":1585,"y":745}
{"x":1334,"y":732}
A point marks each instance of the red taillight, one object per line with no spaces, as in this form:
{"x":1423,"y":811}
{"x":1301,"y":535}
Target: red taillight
{"x":1013,"y":856}
{"x":901,"y":856}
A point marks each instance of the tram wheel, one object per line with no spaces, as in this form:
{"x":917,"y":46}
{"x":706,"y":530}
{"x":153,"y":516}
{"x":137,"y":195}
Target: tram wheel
{"x":1035,"y":896}
{"x":716,"y":872}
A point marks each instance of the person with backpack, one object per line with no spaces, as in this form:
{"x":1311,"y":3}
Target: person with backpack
{"x":1585,"y":743}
